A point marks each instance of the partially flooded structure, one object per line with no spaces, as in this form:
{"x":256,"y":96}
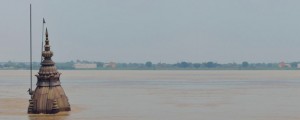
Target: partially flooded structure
{"x":48,"y":96}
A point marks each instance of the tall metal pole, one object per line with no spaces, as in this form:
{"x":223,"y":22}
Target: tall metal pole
{"x":30,"y":52}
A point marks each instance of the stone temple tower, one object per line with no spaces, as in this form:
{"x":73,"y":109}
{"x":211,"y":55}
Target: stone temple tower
{"x":48,"y":96}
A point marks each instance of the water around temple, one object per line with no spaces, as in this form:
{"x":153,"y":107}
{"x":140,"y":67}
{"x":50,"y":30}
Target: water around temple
{"x":167,"y":95}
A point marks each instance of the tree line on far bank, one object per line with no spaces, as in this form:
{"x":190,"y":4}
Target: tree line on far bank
{"x":156,"y":66}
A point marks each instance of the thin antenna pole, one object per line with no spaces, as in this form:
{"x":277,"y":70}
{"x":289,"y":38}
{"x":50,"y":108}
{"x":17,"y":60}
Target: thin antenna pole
{"x":30,"y":52}
{"x":42,"y":40}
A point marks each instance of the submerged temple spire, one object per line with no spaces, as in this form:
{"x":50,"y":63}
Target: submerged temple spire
{"x":47,"y":54}
{"x":48,"y":97}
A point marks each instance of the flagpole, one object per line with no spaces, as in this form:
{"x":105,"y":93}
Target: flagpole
{"x":30,"y":92}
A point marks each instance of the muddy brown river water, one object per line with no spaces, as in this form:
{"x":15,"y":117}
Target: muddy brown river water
{"x":162,"y":95}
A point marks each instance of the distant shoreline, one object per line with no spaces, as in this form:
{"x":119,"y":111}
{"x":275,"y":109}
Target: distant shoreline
{"x":163,"y":69}
{"x":90,"y":65}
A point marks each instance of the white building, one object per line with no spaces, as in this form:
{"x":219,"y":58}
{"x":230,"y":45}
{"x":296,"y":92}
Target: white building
{"x":85,"y":66}
{"x":298,"y":65}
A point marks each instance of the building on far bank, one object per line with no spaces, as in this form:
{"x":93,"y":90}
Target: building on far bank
{"x":112,"y":65}
{"x":298,"y":66}
{"x":85,"y":66}
{"x":284,"y":65}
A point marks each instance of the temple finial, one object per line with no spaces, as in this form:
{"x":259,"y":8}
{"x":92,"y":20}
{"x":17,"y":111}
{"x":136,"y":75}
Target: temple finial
{"x":46,"y":32}
{"x":47,"y":45}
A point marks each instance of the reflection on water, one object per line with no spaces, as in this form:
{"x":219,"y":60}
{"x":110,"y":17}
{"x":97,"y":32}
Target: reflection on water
{"x":59,"y":116}
{"x":167,"y":95}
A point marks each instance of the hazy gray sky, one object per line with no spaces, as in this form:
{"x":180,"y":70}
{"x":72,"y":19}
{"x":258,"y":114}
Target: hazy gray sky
{"x":154,"y":30}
